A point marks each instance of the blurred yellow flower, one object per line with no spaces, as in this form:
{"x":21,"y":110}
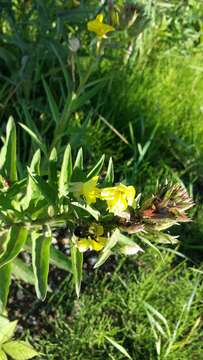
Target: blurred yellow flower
{"x":88,"y":190}
{"x":95,"y":240}
{"x":99,"y":27}
{"x":118,"y":198}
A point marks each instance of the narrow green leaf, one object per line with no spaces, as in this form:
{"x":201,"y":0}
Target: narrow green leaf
{"x":19,"y":350}
{"x":13,"y":244}
{"x":60,"y":260}
{"x":102,"y":259}
{"x":3,"y":355}
{"x":7,"y":331}
{"x":23,"y":271}
{"x":97,"y":168}
{"x":87,"y":208}
{"x":109,"y":178}
{"x":32,"y":191}
{"x":66,"y":172}
{"x":52,"y":170}
{"x":5,"y":281}
{"x":118,"y":347}
{"x":79,"y":160}
{"x":46,"y":190}
{"x":52,"y":104}
{"x":112,"y":241}
{"x":35,"y":138}
{"x":40,"y":261}
{"x":77,"y":263}
{"x":8,"y":152}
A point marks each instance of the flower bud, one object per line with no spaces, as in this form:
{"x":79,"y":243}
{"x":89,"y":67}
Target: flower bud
{"x":74,"y":44}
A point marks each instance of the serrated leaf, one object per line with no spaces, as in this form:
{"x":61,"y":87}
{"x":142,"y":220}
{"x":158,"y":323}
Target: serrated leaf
{"x":7,"y":331}
{"x":66,"y":172}
{"x":109,"y":178}
{"x":19,"y":350}
{"x":77,"y":263}
{"x":118,"y":347}
{"x":13,"y":244}
{"x":52,"y":104}
{"x":3,"y":355}
{"x":5,"y":281}
{"x":60,"y":260}
{"x":40,"y":261}
{"x":97,"y":168}
{"x":8,"y":152}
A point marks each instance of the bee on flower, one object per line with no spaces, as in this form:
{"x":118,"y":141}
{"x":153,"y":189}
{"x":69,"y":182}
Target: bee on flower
{"x":95,"y":240}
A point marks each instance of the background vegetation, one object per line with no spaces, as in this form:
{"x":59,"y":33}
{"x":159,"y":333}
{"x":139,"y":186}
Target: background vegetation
{"x":145,"y":110}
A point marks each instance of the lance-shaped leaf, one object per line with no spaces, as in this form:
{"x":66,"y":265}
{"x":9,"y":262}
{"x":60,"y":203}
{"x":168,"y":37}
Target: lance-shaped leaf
{"x":119,"y":347}
{"x":3,"y":355}
{"x":79,"y":160}
{"x":52,"y":104}
{"x":7,"y":331}
{"x":87,"y":208}
{"x":5,"y":281}
{"x":8,"y":152}
{"x":60,"y":260}
{"x":97,"y":168}
{"x":32,"y":191}
{"x":52,"y":169}
{"x":107,"y":251}
{"x":45,"y":189}
{"x":109,"y":178}
{"x":13,"y":244}
{"x":19,"y":350}
{"x":40,"y":261}
{"x":66,"y":172}
{"x":23,"y":271}
{"x":77,"y":263}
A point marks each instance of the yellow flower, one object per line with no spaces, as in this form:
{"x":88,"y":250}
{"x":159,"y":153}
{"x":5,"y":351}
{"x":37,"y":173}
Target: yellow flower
{"x":99,"y":27}
{"x":118,"y":198}
{"x":95,"y":240}
{"x":88,"y":190}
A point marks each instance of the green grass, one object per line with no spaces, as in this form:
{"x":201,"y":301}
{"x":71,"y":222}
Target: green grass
{"x":113,"y":304}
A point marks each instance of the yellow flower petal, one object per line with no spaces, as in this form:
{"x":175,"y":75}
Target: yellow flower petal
{"x":98,"y":27}
{"x":118,"y":198}
{"x":83,"y":245}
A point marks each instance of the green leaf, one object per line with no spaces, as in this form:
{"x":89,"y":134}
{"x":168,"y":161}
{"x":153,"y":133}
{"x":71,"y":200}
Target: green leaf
{"x":7,"y":331}
{"x":112,"y":241}
{"x":118,"y":347}
{"x":35,"y":138}
{"x":102,"y":259}
{"x":77,"y":263}
{"x":45,"y":189}
{"x":5,"y":281}
{"x":8,"y":153}
{"x":88,"y":209}
{"x":60,"y":260}
{"x":79,"y":160}
{"x":32,"y":191}
{"x":40,"y":261}
{"x":109,"y":178}
{"x":19,"y":350}
{"x":3,"y":355}
{"x":66,"y":172}
{"x":97,"y":168}
{"x":52,"y":104}
{"x":13,"y":244}
{"x":52,"y":170}
{"x":23,"y":271}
